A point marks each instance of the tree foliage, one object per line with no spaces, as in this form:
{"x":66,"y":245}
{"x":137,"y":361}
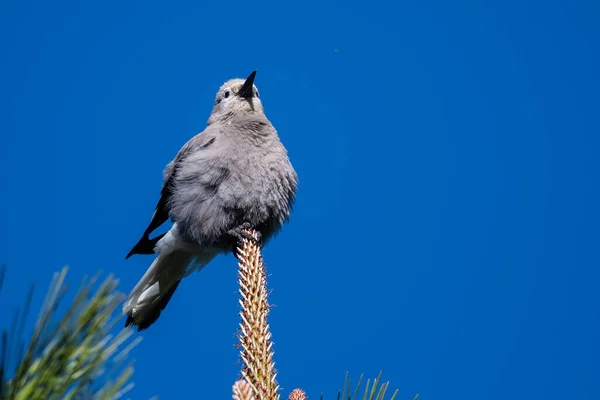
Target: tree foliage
{"x":75,"y":356}
{"x":69,"y":357}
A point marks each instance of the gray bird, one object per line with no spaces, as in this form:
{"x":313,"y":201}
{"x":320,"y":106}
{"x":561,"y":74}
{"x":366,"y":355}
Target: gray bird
{"x":234,"y":175}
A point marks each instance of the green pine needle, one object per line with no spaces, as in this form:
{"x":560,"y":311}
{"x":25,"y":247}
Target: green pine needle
{"x":376,"y":391}
{"x":75,"y":357}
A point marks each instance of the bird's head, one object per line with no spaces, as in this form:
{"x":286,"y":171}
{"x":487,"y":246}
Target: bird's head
{"x":237,"y":97}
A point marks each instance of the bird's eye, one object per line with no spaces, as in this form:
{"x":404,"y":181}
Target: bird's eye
{"x":256,"y":93}
{"x":226,"y":94}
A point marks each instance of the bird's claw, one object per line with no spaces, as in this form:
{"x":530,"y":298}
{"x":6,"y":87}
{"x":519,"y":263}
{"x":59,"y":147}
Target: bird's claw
{"x":243,"y":232}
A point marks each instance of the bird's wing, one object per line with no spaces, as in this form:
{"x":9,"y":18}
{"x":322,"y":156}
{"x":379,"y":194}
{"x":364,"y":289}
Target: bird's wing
{"x":161,"y":213}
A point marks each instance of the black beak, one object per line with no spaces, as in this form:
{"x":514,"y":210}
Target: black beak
{"x":247,"y":91}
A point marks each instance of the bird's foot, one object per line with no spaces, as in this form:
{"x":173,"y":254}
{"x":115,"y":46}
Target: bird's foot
{"x":238,"y":234}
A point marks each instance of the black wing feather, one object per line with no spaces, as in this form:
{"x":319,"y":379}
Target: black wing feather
{"x":161,"y":213}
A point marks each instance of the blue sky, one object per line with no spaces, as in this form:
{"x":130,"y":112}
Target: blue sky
{"x":446,"y":227}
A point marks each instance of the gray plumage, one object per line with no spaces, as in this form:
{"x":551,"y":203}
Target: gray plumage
{"x":235,"y":174}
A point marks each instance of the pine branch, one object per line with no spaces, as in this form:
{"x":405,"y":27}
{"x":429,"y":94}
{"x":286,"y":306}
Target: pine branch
{"x":258,"y":370}
{"x":254,"y":334}
{"x":71,"y":358}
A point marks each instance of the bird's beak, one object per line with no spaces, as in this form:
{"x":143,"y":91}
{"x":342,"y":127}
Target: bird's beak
{"x":247,"y":91}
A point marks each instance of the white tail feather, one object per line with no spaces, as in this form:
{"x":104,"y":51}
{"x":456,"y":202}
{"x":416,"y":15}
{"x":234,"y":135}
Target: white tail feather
{"x":175,"y":260}
{"x":164,"y":272}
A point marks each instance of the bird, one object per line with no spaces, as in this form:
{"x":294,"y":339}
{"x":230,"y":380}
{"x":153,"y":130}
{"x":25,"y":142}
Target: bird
{"x":233,"y":176}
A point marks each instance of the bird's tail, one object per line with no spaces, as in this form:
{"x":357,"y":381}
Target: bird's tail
{"x":152,"y":293}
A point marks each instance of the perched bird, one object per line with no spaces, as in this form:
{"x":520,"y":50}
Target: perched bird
{"x":234,"y":175}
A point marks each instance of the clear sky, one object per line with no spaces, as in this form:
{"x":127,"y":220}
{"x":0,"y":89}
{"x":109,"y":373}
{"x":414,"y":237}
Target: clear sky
{"x":446,"y":228}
